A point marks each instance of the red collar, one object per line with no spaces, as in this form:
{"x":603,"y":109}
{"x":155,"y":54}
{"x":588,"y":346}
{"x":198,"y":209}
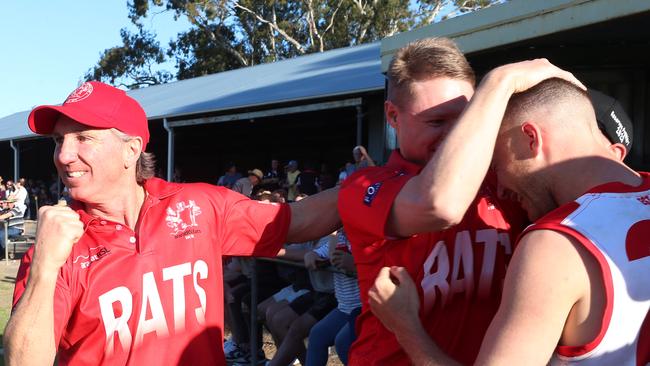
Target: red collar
{"x":397,"y":161}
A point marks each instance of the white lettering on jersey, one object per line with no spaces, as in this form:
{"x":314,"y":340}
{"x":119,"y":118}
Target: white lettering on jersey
{"x":462,"y":274}
{"x":200,"y":268}
{"x":114,"y":324}
{"x":116,"y":320}
{"x":489,"y":238}
{"x":437,"y":279}
{"x":150,"y":299}
{"x":463,"y":257}
{"x":177,"y":275}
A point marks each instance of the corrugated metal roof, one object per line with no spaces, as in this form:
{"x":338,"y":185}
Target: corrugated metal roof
{"x":14,"y":126}
{"x":342,"y":71}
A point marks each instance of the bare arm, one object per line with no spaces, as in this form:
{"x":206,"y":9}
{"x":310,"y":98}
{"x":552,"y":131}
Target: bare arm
{"x":314,"y":217}
{"x":438,"y":197}
{"x":29,"y":336}
{"x":546,"y":278}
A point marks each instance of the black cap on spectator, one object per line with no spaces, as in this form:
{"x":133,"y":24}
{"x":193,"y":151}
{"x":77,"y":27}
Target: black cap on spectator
{"x":612,"y":119}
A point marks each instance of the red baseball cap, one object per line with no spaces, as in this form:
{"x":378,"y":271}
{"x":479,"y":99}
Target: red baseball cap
{"x":97,"y":105}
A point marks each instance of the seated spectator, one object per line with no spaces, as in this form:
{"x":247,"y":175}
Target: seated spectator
{"x":361,"y":158}
{"x":237,"y":291}
{"x":291,"y":323}
{"x":337,"y":327}
{"x":13,"y":214}
{"x":307,"y":181}
{"x":326,"y":179}
{"x":273,"y":177}
{"x":279,"y":195}
{"x":9,"y":189}
{"x":230,"y":176}
{"x":291,"y":179}
{"x":245,"y":185}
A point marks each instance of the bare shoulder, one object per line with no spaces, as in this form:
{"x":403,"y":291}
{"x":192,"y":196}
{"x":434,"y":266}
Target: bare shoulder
{"x":551,"y":258}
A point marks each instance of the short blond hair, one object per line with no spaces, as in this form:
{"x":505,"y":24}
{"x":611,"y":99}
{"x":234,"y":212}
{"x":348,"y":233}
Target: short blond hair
{"x":426,"y":59}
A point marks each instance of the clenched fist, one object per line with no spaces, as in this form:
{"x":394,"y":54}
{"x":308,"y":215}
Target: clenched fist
{"x":59,"y":228}
{"x":394,"y":299}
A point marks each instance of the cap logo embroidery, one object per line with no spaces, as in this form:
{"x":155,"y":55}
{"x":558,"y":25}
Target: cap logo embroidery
{"x":620,"y":130}
{"x":79,"y":94}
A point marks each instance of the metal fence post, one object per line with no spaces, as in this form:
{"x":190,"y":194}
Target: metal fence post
{"x":253,"y":311}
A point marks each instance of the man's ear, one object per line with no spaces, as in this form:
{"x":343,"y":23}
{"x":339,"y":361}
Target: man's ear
{"x":391,"y":110}
{"x":132,"y":150}
{"x":534,"y":139}
{"x":619,"y":150}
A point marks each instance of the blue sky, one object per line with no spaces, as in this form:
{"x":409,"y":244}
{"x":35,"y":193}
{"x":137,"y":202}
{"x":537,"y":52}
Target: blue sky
{"x":48,"y":45}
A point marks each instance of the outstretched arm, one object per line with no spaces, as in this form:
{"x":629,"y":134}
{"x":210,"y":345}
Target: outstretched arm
{"x":438,"y":197}
{"x":314,"y":217}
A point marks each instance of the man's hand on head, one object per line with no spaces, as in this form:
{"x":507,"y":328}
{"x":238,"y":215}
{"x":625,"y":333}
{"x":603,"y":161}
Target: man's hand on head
{"x":523,"y":75}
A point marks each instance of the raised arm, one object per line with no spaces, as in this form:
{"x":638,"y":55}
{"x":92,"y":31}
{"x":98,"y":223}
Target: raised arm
{"x":438,"y":197}
{"x":29,"y":337}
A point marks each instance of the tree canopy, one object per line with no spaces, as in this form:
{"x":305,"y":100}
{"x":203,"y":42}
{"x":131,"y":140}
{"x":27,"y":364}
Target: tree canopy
{"x":229,"y":34}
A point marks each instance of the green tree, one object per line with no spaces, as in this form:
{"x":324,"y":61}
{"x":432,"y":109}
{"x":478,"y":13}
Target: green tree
{"x":228,"y":34}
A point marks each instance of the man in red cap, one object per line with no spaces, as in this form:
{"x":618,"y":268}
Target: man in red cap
{"x":131,"y":272}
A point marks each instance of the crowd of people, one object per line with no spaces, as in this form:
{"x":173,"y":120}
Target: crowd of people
{"x":288,"y":182}
{"x":506,"y":229}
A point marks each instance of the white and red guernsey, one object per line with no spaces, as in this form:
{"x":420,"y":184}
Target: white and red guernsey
{"x":612,"y":222}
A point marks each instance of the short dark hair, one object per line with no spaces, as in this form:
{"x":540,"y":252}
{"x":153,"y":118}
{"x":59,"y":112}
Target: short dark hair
{"x":548,"y":92}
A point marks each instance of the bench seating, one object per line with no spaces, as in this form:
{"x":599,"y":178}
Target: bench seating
{"x":20,"y":243}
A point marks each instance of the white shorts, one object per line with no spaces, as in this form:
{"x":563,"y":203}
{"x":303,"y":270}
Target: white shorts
{"x":288,"y":294}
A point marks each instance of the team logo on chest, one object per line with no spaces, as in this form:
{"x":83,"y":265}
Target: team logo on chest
{"x":182,"y":219}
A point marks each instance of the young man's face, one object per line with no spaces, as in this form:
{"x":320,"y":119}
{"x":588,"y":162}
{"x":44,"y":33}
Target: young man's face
{"x":423,"y":117}
{"x":519,"y":176}
{"x":89,"y":161}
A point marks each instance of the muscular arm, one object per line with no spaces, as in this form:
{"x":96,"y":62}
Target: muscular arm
{"x":314,"y":217}
{"x":29,"y":336}
{"x":546,"y":278}
{"x":438,"y":197}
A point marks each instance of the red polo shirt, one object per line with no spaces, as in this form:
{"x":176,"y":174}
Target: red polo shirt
{"x":458,"y":272}
{"x":155,"y":296}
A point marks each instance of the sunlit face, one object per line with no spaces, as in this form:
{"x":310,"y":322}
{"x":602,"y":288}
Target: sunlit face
{"x":423,"y":119}
{"x":89,"y":161}
{"x":519,"y":176}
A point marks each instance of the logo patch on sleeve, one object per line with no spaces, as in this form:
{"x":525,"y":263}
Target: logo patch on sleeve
{"x":371,"y":192}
